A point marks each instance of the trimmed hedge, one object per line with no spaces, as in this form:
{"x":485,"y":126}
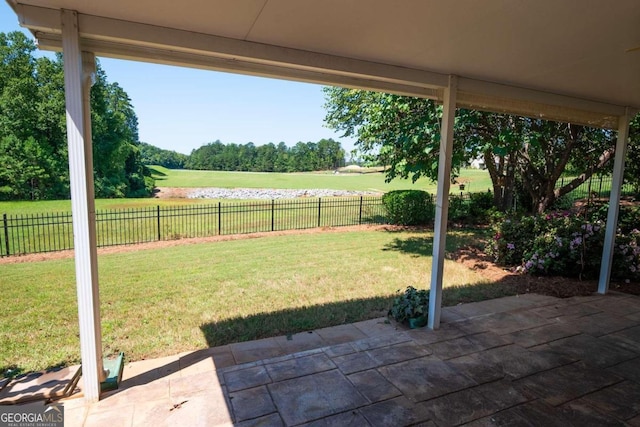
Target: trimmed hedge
{"x":409,"y":207}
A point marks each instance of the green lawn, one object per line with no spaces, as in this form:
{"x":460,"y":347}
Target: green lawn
{"x":476,"y":180}
{"x":157,"y":302}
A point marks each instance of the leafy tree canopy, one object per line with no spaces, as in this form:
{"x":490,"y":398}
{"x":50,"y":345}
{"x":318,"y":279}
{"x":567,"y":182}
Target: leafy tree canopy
{"x":310,"y":156}
{"x":33,"y":145}
{"x":523,"y":155}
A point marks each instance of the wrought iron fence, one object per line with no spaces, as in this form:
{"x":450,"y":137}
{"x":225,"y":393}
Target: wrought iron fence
{"x":48,"y":232}
{"x":598,"y":186}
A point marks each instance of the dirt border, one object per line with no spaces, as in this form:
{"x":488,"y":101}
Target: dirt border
{"x":47,"y":256}
{"x":471,"y":257}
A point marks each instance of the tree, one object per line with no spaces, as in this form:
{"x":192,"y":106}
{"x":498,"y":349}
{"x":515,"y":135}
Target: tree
{"x":304,"y":156}
{"x":632,"y":165}
{"x":33,"y":130}
{"x":403,"y":133}
{"x":26,"y":168}
{"x":151,"y":155}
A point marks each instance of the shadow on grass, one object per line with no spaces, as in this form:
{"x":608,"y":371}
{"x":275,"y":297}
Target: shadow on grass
{"x":423,"y":246}
{"x":290,"y":321}
{"x":294,"y":320}
{"x":415,"y":246}
{"x":157,"y":174}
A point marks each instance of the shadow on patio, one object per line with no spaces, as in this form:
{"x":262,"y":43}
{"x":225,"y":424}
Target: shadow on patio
{"x":519,"y":360}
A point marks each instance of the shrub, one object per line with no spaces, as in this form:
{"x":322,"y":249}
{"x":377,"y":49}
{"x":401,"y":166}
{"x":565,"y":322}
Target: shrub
{"x":512,"y":237}
{"x":480,"y":206}
{"x":410,"y":304}
{"x":564,"y":244}
{"x":458,"y":209}
{"x":409,"y":207}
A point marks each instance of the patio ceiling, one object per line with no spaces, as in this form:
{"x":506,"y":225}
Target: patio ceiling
{"x":574,"y":60}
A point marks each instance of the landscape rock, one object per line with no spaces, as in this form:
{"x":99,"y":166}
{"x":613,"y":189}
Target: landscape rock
{"x":270,"y":193}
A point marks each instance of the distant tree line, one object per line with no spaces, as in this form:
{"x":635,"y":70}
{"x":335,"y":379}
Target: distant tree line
{"x":33,"y":143}
{"x":310,"y":156}
{"x":152,"y":155}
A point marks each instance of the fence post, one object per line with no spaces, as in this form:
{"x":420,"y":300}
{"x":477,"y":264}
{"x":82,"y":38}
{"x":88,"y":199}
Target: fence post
{"x":219,"y":218}
{"x":600,"y":188}
{"x":360,"y":214}
{"x":158,"y":221}
{"x":272,"y":214}
{"x":6,"y":232}
{"x":319,"y":206}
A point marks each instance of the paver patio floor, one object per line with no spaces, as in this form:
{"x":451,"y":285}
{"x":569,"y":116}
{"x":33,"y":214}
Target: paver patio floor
{"x":526,"y":360}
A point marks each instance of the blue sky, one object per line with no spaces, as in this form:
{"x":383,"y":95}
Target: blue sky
{"x":181,"y":109}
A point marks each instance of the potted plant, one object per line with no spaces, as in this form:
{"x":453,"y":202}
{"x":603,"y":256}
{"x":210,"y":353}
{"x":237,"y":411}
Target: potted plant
{"x":410,"y":307}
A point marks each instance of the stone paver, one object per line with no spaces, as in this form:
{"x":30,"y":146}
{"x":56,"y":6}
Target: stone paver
{"x":600,"y":324}
{"x":299,"y":366}
{"x":240,"y":379}
{"x":563,"y":384}
{"x":345,"y":419}
{"x":543,"y":334}
{"x":271,"y":420}
{"x":300,"y":342}
{"x":621,"y":400}
{"x":341,"y":334}
{"x":593,"y":350}
{"x":522,"y":360}
{"x":251,"y":403}
{"x":578,"y":413}
{"x":395,"y":412}
{"x":307,"y":398}
{"x":250,"y":351}
{"x":627,"y":338}
{"x":373,"y":386}
{"x":425,"y":378}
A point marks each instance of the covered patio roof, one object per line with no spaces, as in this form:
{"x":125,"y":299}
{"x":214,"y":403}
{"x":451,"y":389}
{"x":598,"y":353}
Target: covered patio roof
{"x":575,"y":60}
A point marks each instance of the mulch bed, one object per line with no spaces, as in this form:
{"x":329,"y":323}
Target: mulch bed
{"x":561,"y":287}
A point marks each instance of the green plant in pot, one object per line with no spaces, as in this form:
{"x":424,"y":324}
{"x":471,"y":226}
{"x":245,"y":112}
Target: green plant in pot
{"x":411,"y":307}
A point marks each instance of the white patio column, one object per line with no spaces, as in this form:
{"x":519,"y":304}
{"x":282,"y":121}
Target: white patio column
{"x":77,"y":82}
{"x":442,"y":201}
{"x":614,"y":202}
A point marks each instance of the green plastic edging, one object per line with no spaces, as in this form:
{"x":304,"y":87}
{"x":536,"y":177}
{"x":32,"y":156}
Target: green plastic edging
{"x":115,"y":367}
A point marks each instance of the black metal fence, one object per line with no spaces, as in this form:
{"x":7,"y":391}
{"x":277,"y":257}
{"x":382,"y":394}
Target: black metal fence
{"x":48,"y":232}
{"x":598,"y":186}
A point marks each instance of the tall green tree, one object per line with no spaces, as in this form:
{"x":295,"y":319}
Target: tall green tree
{"x":403,"y":133}
{"x":151,"y":155}
{"x":33,"y":131}
{"x":304,"y":156}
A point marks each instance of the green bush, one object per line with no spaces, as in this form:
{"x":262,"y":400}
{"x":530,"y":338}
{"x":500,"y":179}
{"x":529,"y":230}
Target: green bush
{"x":563,"y":244}
{"x":410,"y":304}
{"x":512,"y":237}
{"x":475,"y":208}
{"x":480,"y":205}
{"x":458,"y":209}
{"x":409,"y":207}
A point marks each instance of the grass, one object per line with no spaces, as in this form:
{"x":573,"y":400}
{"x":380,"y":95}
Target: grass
{"x":157,"y":302}
{"x":476,"y":180}
{"x":52,"y":232}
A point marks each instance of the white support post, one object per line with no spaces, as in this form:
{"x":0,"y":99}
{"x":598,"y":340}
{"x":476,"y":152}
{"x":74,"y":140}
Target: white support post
{"x":614,"y":202}
{"x":442,"y":201}
{"x":77,"y":84}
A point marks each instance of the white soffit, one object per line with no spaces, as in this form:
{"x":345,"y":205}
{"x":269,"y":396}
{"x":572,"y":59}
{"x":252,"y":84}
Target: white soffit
{"x":569,"y":60}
